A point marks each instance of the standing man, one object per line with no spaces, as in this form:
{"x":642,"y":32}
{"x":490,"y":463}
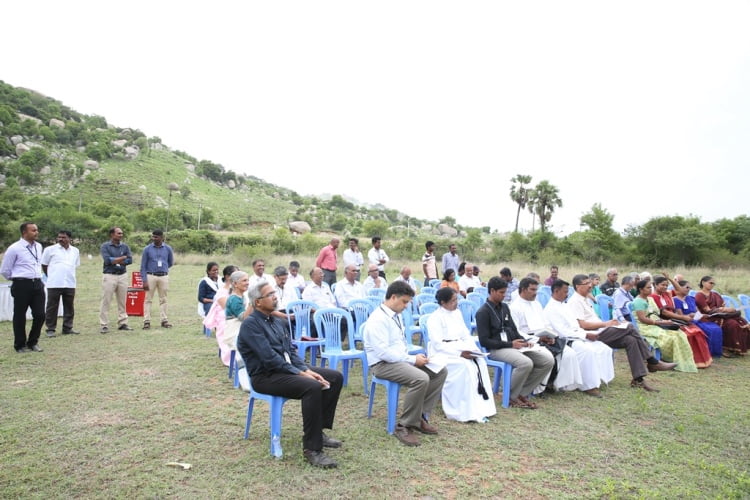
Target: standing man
{"x":275,"y":368}
{"x":553,"y":270}
{"x":429,"y":263}
{"x":609,"y":286}
{"x":59,"y":263}
{"x":498,"y":334}
{"x":157,"y":259}
{"x":116,"y":256}
{"x":388,"y":359}
{"x":327,"y":261}
{"x":377,"y":256}
{"x":22,"y":265}
{"x":353,"y":257}
{"x":451,"y":259}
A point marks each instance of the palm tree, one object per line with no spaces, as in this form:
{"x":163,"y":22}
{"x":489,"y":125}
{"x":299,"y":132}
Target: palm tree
{"x":542,"y":201}
{"x":519,"y":193}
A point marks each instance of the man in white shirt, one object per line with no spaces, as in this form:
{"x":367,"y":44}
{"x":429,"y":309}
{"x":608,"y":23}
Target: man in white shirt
{"x":349,"y":288}
{"x":318,"y":291}
{"x":295,"y":279}
{"x":528,"y":316}
{"x":468,"y":282}
{"x":284,"y":295}
{"x":594,"y":357}
{"x":353,"y":257}
{"x":374,"y":279}
{"x":405,"y":276}
{"x":59,"y":263}
{"x":614,"y":334}
{"x":388,"y":359}
{"x":377,"y":256}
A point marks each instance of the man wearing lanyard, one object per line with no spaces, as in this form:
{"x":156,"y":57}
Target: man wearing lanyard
{"x":155,"y":263}
{"x":116,"y":256}
{"x":22,"y":265}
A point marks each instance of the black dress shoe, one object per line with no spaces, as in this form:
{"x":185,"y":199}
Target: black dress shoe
{"x":125,"y":327}
{"x":70,"y":332}
{"x":36,"y":348}
{"x":23,"y":350}
{"x":330,"y":442}
{"x":320,"y":459}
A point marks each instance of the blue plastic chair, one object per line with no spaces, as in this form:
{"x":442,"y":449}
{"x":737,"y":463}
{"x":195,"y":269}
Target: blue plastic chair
{"x":428,"y":308}
{"x":377,"y":292}
{"x":468,"y":311}
{"x":482,"y":290}
{"x":502,"y":370}
{"x":329,"y":321}
{"x":730,"y":301}
{"x":477,"y":298}
{"x":392,"y":389}
{"x":410,"y":328}
{"x":374,"y":300}
{"x":692,"y":293}
{"x":543,"y":295}
{"x":435,"y":283}
{"x":429,"y":289}
{"x":361,"y":310}
{"x":276,"y":406}
{"x":605,"y":303}
{"x":302,"y":328}
{"x":425,"y":298}
{"x":745,"y":301}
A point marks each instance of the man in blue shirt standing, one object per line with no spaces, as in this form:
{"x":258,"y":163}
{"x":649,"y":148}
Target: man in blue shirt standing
{"x":116,"y":256}
{"x":157,"y":259}
{"x":22,"y":265}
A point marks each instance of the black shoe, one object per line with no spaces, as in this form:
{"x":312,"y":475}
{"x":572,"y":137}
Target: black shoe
{"x":51,"y":334}
{"x":23,"y":350}
{"x":125,"y":327}
{"x":104,"y":329}
{"x":70,"y":332}
{"x":320,"y":459}
{"x":36,"y":348}
{"x":330,"y":442}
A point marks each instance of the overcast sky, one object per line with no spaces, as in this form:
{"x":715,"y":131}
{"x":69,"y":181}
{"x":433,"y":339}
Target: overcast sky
{"x":427,"y":107}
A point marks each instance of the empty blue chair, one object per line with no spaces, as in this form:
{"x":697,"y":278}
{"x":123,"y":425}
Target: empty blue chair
{"x":377,"y":292}
{"x":730,"y":301}
{"x":410,"y":328}
{"x":329,"y":321}
{"x":374,"y":300}
{"x":392,"y":389}
{"x":435,"y":283}
{"x":301,"y":329}
{"x":276,"y":406}
{"x":428,"y":289}
{"x":425,"y":298}
{"x":605,"y":303}
{"x":477,"y":298}
{"x":361,"y":310}
{"x":468,"y":311}
{"x":427,"y":308}
{"x":482,"y":290}
{"x":745,"y":301}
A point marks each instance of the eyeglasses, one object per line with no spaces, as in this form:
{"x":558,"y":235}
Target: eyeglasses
{"x":711,"y":282}
{"x":269,"y":294}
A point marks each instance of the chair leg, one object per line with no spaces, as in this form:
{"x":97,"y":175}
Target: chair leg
{"x":276,"y":409}
{"x":250,"y":404}
{"x":507,"y":379}
{"x":364,"y":375}
{"x":372,"y":396}
{"x":231,"y":363}
{"x":392,"y":389}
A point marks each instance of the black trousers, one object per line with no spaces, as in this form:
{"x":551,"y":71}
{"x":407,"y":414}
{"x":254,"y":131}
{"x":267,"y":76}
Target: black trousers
{"x":54,"y":295}
{"x":318,"y":405}
{"x":27,"y":293}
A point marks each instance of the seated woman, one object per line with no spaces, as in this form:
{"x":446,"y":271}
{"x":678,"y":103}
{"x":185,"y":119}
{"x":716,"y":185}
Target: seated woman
{"x":207,"y":288}
{"x":216,"y":317}
{"x":449,"y":280}
{"x":467,"y":391}
{"x":735,"y":328}
{"x":658,"y":332}
{"x":695,"y":336}
{"x":238,"y":307}
{"x":686,"y":305}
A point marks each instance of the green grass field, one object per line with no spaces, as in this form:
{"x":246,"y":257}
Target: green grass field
{"x":97,"y":416}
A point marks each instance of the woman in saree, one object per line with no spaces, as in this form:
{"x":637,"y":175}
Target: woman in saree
{"x":661,"y":333}
{"x":449,"y":280}
{"x":695,"y":336}
{"x":216,"y":317}
{"x":684,"y":303}
{"x":734,"y":327}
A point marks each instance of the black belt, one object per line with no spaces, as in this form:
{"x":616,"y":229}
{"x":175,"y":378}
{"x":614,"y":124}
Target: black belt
{"x":158,"y":274}
{"x":26,"y":279}
{"x":105,"y":272}
{"x":330,"y":270}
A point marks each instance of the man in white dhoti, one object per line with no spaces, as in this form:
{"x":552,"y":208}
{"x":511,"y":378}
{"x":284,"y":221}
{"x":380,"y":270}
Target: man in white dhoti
{"x":467,"y":391}
{"x":594,"y":357}
{"x":528,"y":316}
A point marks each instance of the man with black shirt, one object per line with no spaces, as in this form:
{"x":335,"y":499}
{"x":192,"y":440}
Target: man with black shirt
{"x":116,"y":256}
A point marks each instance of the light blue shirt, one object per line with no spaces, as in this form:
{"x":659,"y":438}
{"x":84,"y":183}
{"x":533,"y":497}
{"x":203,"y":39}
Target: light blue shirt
{"x":22,"y":260}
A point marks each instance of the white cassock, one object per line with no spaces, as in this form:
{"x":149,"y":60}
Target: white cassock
{"x":449,"y":337}
{"x":529,"y":317}
{"x":594,"y":358}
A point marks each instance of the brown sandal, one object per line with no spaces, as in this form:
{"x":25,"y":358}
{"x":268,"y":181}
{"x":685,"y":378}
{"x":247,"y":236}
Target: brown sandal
{"x":517,"y":403}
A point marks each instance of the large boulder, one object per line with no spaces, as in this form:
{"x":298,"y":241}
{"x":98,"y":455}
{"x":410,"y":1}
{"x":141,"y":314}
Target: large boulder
{"x":231,"y":184}
{"x":21,"y":148}
{"x":119,"y":143}
{"x":91,"y":164}
{"x":446,"y":230}
{"x":300,"y":227}
{"x":16,"y":139}
{"x":190,"y":167}
{"x":46,"y":170}
{"x":131,"y":152}
{"x":54,"y":122}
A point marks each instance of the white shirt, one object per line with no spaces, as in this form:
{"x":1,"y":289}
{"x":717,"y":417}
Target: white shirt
{"x":284,"y":296}
{"x":353,"y":259}
{"x":370,"y":283}
{"x":384,"y":337}
{"x":320,"y":294}
{"x":562,"y":320}
{"x":528,"y":316}
{"x":465,"y":282}
{"x":61,"y":265}
{"x":411,"y":282}
{"x":346,"y":292}
{"x":374,"y":255}
{"x":255,"y":279}
{"x":297,"y":281}
{"x":582,"y":309}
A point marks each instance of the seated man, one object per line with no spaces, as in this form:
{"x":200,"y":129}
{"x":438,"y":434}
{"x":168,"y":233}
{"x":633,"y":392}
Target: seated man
{"x":594,"y":357}
{"x":295,"y":279}
{"x":468,"y":282}
{"x":274,"y":368}
{"x":514,"y":295}
{"x":498,"y":334}
{"x":388,"y":359}
{"x":528,"y":317}
{"x":405,"y":276}
{"x":615,"y":334}
{"x":507,"y":275}
{"x":622,"y":297}
{"x":609,"y":286}
{"x":283,"y":294}
{"x":374,"y":279}
{"x":349,"y":288}
{"x":318,"y":291}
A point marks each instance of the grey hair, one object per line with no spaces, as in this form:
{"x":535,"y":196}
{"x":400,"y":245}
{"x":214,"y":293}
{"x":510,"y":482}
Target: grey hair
{"x":256,"y":291}
{"x":236,"y":276}
{"x":611,"y":270}
{"x":626,"y":280}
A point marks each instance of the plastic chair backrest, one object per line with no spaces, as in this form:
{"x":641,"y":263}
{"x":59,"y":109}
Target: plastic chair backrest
{"x":301,"y":310}
{"x":482,"y":290}
{"x":477,"y":298}
{"x":745,"y":301}
{"x":424,"y":298}
{"x":428,"y":289}
{"x":468,"y":311}
{"x":730,"y":301}
{"x":427,"y":308}
{"x":361,"y":309}
{"x":605,"y":302}
{"x":375,"y":301}
{"x":435,"y":283}
{"x":377,"y":292}
{"x":329,"y":321}
{"x":543,"y":295}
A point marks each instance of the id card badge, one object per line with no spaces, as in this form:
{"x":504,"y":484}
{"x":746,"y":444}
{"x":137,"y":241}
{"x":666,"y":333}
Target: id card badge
{"x":504,"y":336}
{"x":287,"y":358}
{"x":158,"y":263}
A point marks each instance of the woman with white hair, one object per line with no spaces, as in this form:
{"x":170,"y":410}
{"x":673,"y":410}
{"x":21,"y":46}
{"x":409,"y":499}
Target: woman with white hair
{"x":237,"y":308}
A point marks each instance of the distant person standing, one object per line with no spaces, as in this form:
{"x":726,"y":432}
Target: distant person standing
{"x":156,"y":261}
{"x":116,"y":256}
{"x":21,"y":264}
{"x":328,"y":261}
{"x":451,"y":259}
{"x":377,"y":256}
{"x":429,"y":263}
{"x":353,"y":257}
{"x":59,"y":263}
